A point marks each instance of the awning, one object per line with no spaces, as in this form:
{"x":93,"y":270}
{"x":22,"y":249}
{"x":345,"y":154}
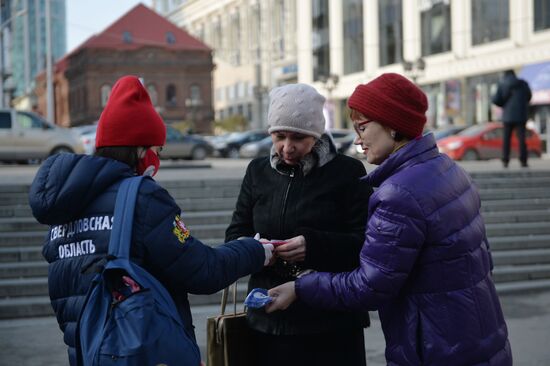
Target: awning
{"x":538,"y":77}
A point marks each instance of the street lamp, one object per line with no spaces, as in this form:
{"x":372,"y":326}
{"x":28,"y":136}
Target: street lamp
{"x":414,"y":69}
{"x":330,"y":83}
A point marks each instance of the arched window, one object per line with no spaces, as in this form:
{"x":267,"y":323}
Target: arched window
{"x":171,"y":95}
{"x":105,"y":91}
{"x":153,"y":94}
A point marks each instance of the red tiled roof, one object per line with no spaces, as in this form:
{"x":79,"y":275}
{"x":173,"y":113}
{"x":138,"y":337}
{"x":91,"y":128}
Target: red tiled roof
{"x":146,"y":28}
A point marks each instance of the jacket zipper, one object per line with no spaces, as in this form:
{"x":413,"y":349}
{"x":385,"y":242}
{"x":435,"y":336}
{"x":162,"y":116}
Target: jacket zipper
{"x":285,"y":197}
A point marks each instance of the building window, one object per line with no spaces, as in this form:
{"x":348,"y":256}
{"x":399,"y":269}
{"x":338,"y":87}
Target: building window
{"x":217,"y":37}
{"x":195,"y":93}
{"x":153,"y":94}
{"x":170,"y":38}
{"x":255,"y":31}
{"x":320,"y":39}
{"x":390,"y":18}
{"x":353,"y":35}
{"x":490,"y":20}
{"x":127,"y":37}
{"x":278,"y":30}
{"x":542,"y":14}
{"x":235,"y":39}
{"x":436,"y":26}
{"x":105,"y":91}
{"x":171,"y":95}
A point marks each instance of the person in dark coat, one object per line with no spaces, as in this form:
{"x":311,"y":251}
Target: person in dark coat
{"x":75,"y":195}
{"x":425,"y":264}
{"x":308,"y":196}
{"x":513,"y":95}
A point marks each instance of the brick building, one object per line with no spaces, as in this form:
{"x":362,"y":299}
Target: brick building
{"x":175,"y":67}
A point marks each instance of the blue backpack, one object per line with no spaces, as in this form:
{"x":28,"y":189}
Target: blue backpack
{"x":128,"y":317}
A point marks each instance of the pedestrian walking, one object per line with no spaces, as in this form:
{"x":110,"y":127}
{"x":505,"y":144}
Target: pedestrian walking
{"x":513,"y":95}
{"x":425,"y":264}
{"x":75,"y":195}
{"x":308,"y":197}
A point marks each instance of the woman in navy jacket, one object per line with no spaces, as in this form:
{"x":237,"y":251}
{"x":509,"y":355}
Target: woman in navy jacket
{"x":75,"y":195}
{"x":425,"y":264}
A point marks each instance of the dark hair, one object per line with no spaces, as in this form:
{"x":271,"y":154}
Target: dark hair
{"x":124,"y":154}
{"x":510,"y":72}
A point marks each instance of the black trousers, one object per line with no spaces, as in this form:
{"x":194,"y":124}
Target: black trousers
{"x":343,"y":347}
{"x":520,"y":133}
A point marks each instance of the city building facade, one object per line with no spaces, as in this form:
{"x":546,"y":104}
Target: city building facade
{"x":455,"y":50}
{"x":23,"y":46}
{"x":175,"y":68}
{"x":254,"y":43}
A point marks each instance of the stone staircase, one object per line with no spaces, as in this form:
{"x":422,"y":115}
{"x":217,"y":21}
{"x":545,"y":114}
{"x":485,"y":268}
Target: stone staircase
{"x":516,"y":208}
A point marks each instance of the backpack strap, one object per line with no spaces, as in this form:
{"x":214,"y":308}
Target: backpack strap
{"x":121,"y":234}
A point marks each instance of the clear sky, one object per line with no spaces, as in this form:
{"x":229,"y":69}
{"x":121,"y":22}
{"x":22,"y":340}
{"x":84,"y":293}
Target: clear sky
{"x":88,"y":17}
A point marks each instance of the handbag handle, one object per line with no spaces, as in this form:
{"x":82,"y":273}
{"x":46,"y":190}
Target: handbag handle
{"x":224,"y":299}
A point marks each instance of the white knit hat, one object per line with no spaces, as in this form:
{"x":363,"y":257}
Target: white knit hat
{"x":296,"y":108}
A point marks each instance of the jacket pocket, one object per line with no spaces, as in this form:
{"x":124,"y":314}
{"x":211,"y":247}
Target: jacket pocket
{"x":383,"y":225}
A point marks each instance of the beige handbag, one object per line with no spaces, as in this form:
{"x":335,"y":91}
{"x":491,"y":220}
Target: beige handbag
{"x":230,"y":341}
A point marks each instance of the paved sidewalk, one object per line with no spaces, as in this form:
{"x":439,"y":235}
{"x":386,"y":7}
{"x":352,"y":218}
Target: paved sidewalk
{"x":38,"y":341}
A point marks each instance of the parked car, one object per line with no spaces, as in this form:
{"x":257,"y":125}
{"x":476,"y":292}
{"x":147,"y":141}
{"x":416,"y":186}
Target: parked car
{"x":25,"y":136}
{"x":257,"y":148}
{"x":182,"y":146}
{"x":343,"y":139}
{"x":484,"y":141}
{"x":229,"y":146}
{"x":86,"y":134}
{"x":442,"y":132}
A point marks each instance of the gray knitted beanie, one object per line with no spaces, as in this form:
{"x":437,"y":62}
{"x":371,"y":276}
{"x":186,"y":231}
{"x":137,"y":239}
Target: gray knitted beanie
{"x":296,"y":108}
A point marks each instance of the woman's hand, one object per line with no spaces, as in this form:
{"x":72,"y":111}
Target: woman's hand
{"x":282,"y":295}
{"x":294,"y":250}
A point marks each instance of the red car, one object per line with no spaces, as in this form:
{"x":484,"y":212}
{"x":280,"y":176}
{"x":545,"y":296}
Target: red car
{"x":484,"y":141}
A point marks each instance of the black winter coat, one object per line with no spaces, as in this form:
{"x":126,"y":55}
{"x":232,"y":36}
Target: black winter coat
{"x":513,"y":95}
{"x":328,"y":207}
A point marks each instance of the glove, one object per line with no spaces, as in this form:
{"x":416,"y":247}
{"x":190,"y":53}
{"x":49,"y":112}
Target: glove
{"x":268,"y":250}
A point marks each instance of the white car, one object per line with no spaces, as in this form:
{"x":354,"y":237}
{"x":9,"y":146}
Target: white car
{"x":86,"y":134}
{"x":24,"y":137}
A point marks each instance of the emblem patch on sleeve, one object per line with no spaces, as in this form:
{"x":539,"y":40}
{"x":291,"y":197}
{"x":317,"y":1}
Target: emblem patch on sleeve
{"x":180,"y":230}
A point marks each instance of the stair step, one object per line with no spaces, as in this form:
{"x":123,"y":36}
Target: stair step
{"x":515,"y":205}
{"x":519,"y":242}
{"x":513,"y":193}
{"x":515,"y":182}
{"x":23,"y":238}
{"x":24,"y":307}
{"x":20,"y":224}
{"x":521,"y":257}
{"x":522,"y":286}
{"x":23,"y":269}
{"x":521,"y":273}
{"x":21,"y":254}
{"x":515,"y":229}
{"x":17,"y":287}
{"x":515,"y":216}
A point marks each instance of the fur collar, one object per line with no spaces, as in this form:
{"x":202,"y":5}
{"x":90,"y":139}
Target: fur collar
{"x":322,"y":152}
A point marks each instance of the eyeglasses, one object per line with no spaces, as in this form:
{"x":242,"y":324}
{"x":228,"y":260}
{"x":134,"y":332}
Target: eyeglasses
{"x":357,"y":124}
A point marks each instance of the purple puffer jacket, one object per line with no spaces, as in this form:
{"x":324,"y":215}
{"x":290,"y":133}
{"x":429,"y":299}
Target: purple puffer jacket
{"x":425,"y":265}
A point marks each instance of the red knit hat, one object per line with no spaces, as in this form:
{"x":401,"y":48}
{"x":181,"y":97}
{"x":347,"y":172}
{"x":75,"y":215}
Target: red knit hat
{"x":129,"y":118}
{"x":394,"y":101}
